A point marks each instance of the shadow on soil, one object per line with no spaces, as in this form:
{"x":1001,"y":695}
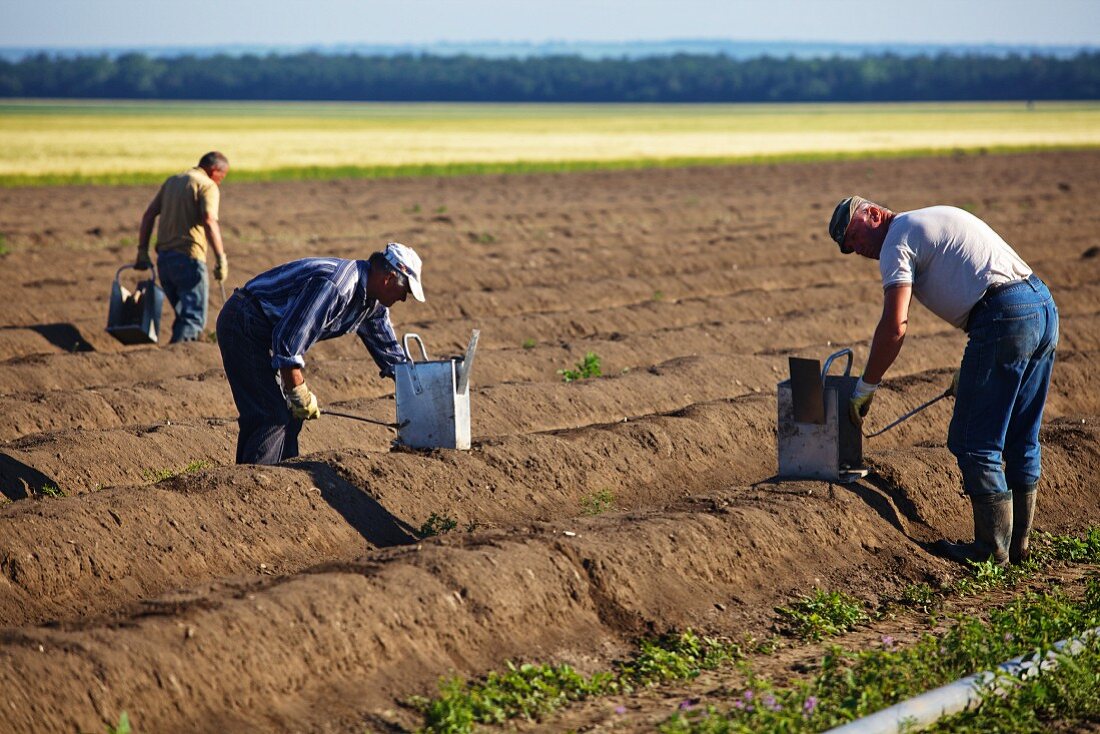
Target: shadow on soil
{"x":18,"y":480}
{"x":369,"y":518}
{"x":62,"y":336}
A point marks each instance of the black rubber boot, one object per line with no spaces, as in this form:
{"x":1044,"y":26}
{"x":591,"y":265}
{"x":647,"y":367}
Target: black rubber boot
{"x":992,"y":532}
{"x":1023,"y":513}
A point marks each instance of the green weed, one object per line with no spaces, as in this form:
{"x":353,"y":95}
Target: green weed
{"x":50,"y":490}
{"x":588,"y":367}
{"x":485,"y":238}
{"x":3,"y":244}
{"x":658,"y":295}
{"x":531,"y":691}
{"x":212,"y":337}
{"x":821,"y":614}
{"x":854,"y":684}
{"x":921,"y":596}
{"x":437,"y":525}
{"x":159,"y":475}
{"x":441,"y":210}
{"x":123,"y":725}
{"x":597,"y":502}
{"x":414,"y":209}
{"x":528,"y":343}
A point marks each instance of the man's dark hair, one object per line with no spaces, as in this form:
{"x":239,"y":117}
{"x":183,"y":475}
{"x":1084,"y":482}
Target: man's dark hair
{"x":214,"y":161}
{"x":378,"y":260}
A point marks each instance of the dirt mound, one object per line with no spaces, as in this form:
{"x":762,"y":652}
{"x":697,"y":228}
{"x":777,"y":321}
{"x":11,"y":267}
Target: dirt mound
{"x":301,"y":597}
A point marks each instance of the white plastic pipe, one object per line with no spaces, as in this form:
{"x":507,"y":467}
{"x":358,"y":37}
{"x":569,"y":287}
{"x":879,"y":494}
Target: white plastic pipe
{"x":926,"y":709}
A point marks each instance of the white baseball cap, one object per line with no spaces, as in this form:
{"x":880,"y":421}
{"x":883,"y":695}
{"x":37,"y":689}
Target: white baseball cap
{"x":405,"y":261}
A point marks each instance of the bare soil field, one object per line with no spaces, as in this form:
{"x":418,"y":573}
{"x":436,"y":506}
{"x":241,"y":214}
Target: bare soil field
{"x":302,"y":598}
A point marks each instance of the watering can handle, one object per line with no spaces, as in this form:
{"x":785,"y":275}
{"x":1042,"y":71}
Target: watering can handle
{"x":829,"y":363}
{"x":408,"y":352}
{"x":131,"y":267}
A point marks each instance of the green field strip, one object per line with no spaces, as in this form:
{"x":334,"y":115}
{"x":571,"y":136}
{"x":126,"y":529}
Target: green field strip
{"x":414,"y":170}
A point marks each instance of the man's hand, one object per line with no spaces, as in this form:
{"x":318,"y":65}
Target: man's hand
{"x":221,"y":267}
{"x":302,"y":403}
{"x":143,"y":262}
{"x":860,"y":403}
{"x":953,"y":389}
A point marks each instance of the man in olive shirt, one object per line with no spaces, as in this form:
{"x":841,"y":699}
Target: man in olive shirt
{"x":187,"y":205}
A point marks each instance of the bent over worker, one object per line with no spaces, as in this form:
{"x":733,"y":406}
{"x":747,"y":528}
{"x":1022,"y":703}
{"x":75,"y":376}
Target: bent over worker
{"x":187,"y":205}
{"x":963,"y":272}
{"x":266,"y":327}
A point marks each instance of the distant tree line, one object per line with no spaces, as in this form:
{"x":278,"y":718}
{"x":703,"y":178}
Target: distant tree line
{"x":678,"y":78}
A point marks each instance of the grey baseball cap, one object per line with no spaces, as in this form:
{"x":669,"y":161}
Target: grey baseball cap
{"x":842,"y":216}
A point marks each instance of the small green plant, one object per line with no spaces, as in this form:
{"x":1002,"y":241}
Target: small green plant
{"x":849,"y":685}
{"x":486,"y":238}
{"x":3,"y":244}
{"x":597,"y":502}
{"x":528,"y":343}
{"x":212,"y":337}
{"x":530,"y":691}
{"x":414,"y":209}
{"x":50,"y":490}
{"x":159,"y":475}
{"x":437,"y":525}
{"x":658,"y":295}
{"x":588,"y":367}
{"x":921,"y":596}
{"x":441,"y":210}
{"x":821,"y":614}
{"x":123,"y":725}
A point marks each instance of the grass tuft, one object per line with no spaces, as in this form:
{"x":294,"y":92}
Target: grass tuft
{"x":159,"y":475}
{"x":598,"y":502}
{"x":437,"y":525}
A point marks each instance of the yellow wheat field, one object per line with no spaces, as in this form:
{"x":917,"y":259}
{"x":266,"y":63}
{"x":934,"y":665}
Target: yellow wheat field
{"x":97,"y":138}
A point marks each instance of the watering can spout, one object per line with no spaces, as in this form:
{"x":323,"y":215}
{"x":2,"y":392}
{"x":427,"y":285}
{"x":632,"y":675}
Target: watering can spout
{"x":462,"y":369}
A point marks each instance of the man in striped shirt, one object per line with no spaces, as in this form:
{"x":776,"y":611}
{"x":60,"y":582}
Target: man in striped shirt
{"x":266,"y":327}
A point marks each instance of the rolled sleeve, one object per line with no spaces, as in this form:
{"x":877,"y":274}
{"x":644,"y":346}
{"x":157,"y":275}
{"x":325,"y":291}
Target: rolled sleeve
{"x":304,"y":322}
{"x":378,"y":337}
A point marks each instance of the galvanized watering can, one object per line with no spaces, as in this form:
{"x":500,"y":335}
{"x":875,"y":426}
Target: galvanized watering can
{"x":134,"y":318}
{"x":433,"y":398}
{"x":816,"y":439}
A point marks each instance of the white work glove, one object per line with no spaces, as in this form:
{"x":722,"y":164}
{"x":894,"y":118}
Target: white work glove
{"x":221,"y":267}
{"x":302,"y":403}
{"x":860,"y":402}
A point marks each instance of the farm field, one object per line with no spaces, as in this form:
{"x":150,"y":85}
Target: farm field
{"x":137,"y":142}
{"x":195,"y":594}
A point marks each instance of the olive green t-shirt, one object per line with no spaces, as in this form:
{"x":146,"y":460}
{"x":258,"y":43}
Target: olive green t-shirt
{"x":185,"y":201}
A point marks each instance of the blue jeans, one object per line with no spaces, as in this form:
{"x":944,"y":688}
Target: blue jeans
{"x":185,"y":284}
{"x":267,"y":433}
{"x":1003,"y":384}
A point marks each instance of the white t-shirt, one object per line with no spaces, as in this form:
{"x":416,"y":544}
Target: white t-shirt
{"x":950,"y":257}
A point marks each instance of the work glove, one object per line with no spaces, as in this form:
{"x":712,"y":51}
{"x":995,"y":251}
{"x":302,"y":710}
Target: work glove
{"x":953,"y":389}
{"x":143,"y":262}
{"x":221,"y":267}
{"x":302,"y":403}
{"x":860,"y":402}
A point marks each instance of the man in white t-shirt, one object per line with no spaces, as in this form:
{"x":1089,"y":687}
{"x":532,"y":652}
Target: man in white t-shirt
{"x":963,"y":272}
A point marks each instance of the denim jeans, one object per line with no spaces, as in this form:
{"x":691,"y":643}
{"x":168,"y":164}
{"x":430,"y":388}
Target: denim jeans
{"x":185,"y":284}
{"x":267,"y":433}
{"x":1003,"y":384}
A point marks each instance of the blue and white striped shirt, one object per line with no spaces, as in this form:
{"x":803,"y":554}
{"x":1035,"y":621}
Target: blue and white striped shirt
{"x":320,"y":298}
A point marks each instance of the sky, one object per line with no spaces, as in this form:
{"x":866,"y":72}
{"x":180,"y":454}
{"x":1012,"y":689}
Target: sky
{"x":145,"y":23}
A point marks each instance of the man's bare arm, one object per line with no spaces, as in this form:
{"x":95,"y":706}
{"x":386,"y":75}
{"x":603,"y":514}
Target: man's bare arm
{"x":146,"y":231}
{"x":214,"y":235}
{"x":890,"y":332}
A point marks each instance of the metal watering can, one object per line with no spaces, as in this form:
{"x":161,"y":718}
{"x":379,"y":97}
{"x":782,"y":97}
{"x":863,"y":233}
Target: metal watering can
{"x":134,"y":318}
{"x":433,"y":398}
{"x":816,"y":439}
